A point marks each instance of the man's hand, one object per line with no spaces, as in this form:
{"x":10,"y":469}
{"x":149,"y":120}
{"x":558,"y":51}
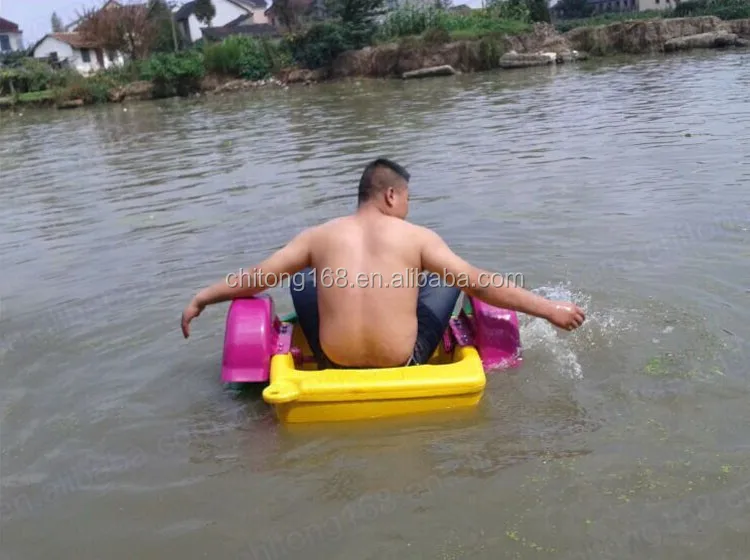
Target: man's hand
{"x":191,"y":312}
{"x":565,"y":315}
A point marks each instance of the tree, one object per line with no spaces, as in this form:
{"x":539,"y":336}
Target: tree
{"x":57,"y":24}
{"x":160,"y":15}
{"x":356,"y":12}
{"x":288,"y":12}
{"x":127,"y":28}
{"x":204,"y":11}
{"x":510,"y":9}
{"x":539,"y":10}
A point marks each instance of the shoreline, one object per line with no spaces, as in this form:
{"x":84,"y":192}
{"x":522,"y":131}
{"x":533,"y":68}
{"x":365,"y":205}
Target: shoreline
{"x":416,"y":58}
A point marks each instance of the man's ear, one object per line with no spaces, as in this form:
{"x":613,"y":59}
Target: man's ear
{"x":390,"y":195}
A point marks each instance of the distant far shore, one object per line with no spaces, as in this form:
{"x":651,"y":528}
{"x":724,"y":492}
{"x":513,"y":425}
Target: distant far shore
{"x":434,"y":52}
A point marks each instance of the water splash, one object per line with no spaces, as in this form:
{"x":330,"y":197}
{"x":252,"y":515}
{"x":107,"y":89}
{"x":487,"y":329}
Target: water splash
{"x":601,"y":329}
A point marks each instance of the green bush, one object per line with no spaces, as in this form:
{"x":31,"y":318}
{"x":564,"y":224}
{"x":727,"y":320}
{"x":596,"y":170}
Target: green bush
{"x":129,"y":72}
{"x":45,"y":97}
{"x":436,"y":36}
{"x":245,"y":57}
{"x":500,"y":18}
{"x":412,"y":20}
{"x":224,"y":57}
{"x":724,"y":9}
{"x":513,"y":10}
{"x":323,"y":42}
{"x":490,"y":52}
{"x":690,"y":8}
{"x":174,"y":73}
{"x":12,"y":59}
{"x":94,"y":89}
{"x":81,"y":90}
{"x":29,"y":75}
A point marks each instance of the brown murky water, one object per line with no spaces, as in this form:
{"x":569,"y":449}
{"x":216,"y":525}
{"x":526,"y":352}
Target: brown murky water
{"x":622,"y":185}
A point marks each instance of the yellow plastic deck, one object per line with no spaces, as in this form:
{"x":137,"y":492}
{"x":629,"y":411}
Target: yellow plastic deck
{"x":448,"y":381}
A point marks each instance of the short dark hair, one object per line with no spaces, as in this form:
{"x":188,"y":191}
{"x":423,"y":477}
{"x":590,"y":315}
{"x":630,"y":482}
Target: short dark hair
{"x":379,"y":174}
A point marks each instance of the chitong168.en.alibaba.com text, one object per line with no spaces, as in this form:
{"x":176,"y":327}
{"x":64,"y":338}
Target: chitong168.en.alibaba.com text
{"x":340,"y":278}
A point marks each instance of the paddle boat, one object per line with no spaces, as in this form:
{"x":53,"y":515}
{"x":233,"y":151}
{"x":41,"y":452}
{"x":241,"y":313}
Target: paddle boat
{"x":261,"y":347}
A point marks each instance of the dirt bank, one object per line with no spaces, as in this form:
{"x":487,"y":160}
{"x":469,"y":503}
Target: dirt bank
{"x":395,"y":59}
{"x":633,"y":37}
{"x":648,"y":36}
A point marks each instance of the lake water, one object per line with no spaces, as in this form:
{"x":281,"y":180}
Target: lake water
{"x":623,"y":184}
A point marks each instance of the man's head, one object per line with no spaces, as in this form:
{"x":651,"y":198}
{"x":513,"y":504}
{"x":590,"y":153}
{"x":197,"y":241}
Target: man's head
{"x":385,"y":184}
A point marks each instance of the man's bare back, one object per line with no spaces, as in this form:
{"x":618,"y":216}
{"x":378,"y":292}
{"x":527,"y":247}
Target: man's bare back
{"x":366,"y":269}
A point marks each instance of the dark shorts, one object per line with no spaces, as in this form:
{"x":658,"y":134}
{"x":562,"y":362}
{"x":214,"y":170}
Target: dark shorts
{"x":434,"y":309}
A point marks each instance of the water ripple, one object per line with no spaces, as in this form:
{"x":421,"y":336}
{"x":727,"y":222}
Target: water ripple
{"x":618,"y":184}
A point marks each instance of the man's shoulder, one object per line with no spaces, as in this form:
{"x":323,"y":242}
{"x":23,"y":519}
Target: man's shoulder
{"x":325,"y":226}
{"x":322,"y":233}
{"x":422,"y":233}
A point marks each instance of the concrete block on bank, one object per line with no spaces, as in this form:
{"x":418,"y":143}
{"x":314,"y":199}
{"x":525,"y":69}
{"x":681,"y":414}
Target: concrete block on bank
{"x":711,"y":40}
{"x":527,"y":60}
{"x":70,"y":104}
{"x":571,"y":56}
{"x":444,"y":70}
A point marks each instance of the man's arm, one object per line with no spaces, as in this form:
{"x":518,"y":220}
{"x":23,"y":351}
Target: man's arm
{"x":438,"y":257}
{"x":288,"y":260}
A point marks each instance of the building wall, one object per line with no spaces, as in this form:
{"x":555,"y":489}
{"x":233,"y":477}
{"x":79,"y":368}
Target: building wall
{"x":605,"y":6}
{"x":225,"y":12}
{"x":648,"y":5}
{"x":259,"y":16}
{"x":75,"y":57}
{"x":396,"y":4}
{"x":50,"y":45}
{"x":15,"y":41}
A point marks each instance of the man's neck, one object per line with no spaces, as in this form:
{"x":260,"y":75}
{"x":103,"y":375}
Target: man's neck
{"x":370,"y":209}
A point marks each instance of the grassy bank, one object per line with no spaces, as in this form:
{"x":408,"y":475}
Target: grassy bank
{"x":563,"y":26}
{"x":478,"y":24}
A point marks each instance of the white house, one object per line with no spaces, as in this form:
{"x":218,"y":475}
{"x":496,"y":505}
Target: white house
{"x":11,"y":37}
{"x":233,"y":13}
{"x":71,"y":49}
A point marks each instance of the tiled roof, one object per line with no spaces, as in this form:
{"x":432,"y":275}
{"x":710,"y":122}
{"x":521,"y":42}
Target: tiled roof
{"x":7,"y":26}
{"x":184,"y":11}
{"x":237,"y":21}
{"x":75,"y":40}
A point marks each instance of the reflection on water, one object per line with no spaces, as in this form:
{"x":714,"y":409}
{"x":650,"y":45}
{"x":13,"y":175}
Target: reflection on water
{"x":617,"y":184}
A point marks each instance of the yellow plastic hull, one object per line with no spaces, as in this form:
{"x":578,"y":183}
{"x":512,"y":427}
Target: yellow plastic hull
{"x":455,"y":381}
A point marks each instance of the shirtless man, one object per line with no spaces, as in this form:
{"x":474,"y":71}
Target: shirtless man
{"x":349,"y":313}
